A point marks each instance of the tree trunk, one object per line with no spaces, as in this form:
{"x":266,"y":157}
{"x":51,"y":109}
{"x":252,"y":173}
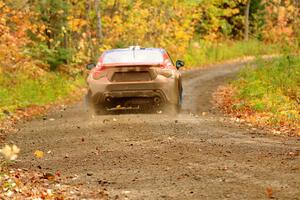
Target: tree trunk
{"x":247,"y":12}
{"x":99,"y":23}
{"x":114,"y":8}
{"x":90,"y":48}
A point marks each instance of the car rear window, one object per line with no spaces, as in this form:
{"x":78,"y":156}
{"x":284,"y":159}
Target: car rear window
{"x":133,"y":56}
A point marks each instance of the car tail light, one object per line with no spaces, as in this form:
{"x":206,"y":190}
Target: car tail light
{"x":167,"y":63}
{"x":98,"y":75}
{"x":98,"y":72}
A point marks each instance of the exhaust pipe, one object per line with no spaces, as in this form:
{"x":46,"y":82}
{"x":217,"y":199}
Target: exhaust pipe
{"x":156,"y":100}
{"x":108,"y":99}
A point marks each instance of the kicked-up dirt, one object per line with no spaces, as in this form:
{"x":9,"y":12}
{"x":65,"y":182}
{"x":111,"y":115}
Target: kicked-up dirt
{"x":198,"y":154}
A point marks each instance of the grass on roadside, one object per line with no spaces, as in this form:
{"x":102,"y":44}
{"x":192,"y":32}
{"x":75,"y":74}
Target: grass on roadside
{"x":18,"y":90}
{"x":273,"y":88}
{"x":205,"y":52}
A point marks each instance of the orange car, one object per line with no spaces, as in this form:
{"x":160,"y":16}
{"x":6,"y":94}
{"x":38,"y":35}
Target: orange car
{"x":135,"y":78}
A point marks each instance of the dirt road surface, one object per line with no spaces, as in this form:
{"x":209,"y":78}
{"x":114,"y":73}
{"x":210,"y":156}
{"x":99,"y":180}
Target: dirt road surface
{"x":155,"y":156}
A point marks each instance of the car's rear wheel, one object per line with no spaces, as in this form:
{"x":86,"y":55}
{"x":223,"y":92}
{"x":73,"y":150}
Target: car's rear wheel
{"x":90,"y":106}
{"x":175,"y":108}
{"x":99,"y":110}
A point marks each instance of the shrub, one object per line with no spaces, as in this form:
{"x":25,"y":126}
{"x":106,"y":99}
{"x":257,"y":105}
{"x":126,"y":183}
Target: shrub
{"x":272,"y":86}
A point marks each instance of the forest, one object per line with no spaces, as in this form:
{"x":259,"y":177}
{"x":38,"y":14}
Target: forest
{"x":57,"y":32}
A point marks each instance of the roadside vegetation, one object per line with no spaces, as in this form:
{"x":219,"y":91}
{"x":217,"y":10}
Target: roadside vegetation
{"x":206,"y":52}
{"x":272,"y":86}
{"x":267,"y":95}
{"x":49,"y":88}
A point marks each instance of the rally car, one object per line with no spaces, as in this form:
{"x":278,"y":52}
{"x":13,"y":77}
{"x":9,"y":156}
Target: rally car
{"x":135,"y":78}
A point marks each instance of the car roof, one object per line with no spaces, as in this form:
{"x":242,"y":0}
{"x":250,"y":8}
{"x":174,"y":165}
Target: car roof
{"x":133,"y":55}
{"x":135,"y":48}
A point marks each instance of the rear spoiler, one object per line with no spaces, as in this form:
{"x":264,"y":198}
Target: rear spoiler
{"x":133,"y":64}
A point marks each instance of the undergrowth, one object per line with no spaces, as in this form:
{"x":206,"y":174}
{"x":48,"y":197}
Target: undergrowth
{"x":272,"y":87}
{"x":19,"y":90}
{"x":205,"y":52}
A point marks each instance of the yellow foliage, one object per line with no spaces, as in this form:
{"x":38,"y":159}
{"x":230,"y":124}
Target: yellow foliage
{"x":282,"y":22}
{"x":150,"y":26}
{"x":13,"y":40}
{"x":76,"y":24}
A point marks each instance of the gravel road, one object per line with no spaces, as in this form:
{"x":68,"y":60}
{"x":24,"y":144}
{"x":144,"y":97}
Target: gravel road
{"x":155,"y":156}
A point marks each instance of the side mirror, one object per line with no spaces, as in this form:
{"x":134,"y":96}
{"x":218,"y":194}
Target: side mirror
{"x":179,"y":64}
{"x":90,"y":66}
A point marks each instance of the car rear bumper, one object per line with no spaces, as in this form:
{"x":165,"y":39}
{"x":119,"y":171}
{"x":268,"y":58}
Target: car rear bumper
{"x":128,"y":93}
{"x":104,"y":91}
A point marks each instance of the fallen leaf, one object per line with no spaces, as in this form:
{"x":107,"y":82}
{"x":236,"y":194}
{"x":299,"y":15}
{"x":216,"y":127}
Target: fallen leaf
{"x":57,"y":173}
{"x":49,"y":176}
{"x":269,"y":192}
{"x":39,"y":154}
{"x":126,"y":192}
{"x":49,"y":192}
